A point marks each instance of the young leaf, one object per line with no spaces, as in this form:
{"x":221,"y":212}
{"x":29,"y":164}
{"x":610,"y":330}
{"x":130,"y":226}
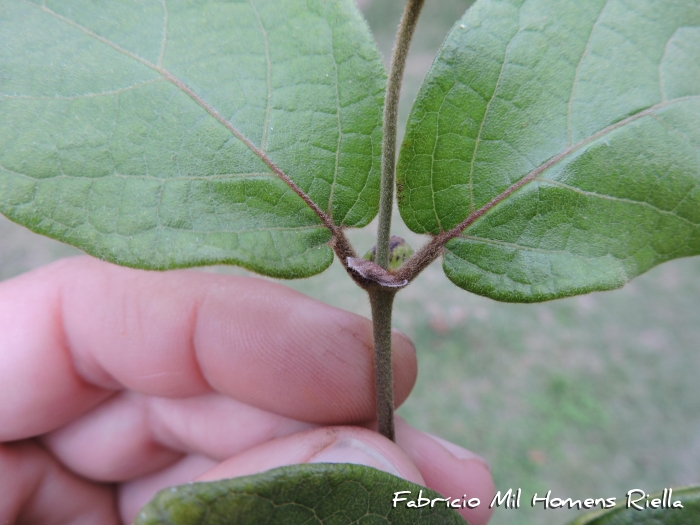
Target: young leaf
{"x":158,"y":134}
{"x":331,"y":494}
{"x":559,"y":144}
{"x":620,"y":515}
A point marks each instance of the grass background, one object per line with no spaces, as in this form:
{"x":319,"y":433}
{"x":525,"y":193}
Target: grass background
{"x":589,"y":396}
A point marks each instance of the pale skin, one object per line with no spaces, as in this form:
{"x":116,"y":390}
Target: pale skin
{"x":115,"y":383}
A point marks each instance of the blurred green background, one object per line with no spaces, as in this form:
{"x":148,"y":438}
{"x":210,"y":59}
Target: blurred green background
{"x":590,"y":396}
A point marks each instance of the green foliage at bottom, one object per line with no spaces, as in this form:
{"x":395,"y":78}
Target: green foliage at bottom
{"x":321,"y":493}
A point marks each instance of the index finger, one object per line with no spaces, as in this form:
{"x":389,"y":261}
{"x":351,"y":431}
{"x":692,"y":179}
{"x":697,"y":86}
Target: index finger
{"x":76,"y":331}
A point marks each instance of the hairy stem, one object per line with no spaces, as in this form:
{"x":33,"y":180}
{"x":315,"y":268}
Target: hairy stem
{"x":382,"y":298}
{"x":391,"y":109}
{"x":381,"y":301}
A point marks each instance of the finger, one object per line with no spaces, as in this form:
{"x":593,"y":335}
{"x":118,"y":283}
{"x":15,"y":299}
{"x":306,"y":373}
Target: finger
{"x":36,"y":365}
{"x":132,"y":435}
{"x":80,"y":329}
{"x":321,"y":445}
{"x":36,"y":489}
{"x":112,"y":442}
{"x":449,"y":469}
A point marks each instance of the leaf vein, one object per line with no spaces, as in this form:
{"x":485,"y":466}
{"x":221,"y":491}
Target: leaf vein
{"x":204,"y":178}
{"x":161,"y":55}
{"x":483,"y":122}
{"x":613,"y":198}
{"x":85,"y":95}
{"x":340,"y":129}
{"x":268,"y":108}
{"x":586,"y":52}
{"x":325,"y":219}
{"x":516,"y":246}
{"x":558,"y":158}
{"x":434,"y":248}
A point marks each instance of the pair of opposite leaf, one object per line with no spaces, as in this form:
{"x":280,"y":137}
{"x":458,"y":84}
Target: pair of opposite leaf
{"x":557,"y":141}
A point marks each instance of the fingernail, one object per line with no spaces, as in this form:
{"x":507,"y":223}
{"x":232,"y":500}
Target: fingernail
{"x":461,"y":453}
{"x":352,"y":450}
{"x":404,"y":338}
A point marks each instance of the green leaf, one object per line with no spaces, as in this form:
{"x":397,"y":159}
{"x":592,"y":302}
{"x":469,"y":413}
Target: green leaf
{"x":563,"y":137}
{"x":620,"y":515}
{"x":328,"y":494}
{"x":144,"y":132}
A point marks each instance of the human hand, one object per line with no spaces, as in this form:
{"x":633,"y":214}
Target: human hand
{"x":115,"y":383}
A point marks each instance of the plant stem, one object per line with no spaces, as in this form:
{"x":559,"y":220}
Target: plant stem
{"x":391,"y":110}
{"x":381,"y":300}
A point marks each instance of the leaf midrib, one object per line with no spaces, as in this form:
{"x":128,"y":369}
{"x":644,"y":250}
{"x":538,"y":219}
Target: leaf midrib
{"x":184,"y":88}
{"x":486,"y":240}
{"x":472,"y":217}
{"x":432,"y":250}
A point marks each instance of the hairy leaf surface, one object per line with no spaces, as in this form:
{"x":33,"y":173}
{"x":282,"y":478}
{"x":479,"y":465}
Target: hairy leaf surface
{"x":565,"y":137}
{"x":619,"y":515}
{"x":329,"y":494}
{"x":130,"y":129}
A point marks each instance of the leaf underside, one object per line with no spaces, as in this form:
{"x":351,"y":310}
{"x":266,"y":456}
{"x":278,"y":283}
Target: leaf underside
{"x":321,"y":494}
{"x":619,"y":515}
{"x":123,"y":128}
{"x":565,"y":136}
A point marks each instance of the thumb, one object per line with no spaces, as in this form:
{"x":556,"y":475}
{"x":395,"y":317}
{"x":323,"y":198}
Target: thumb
{"x":321,"y":445}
